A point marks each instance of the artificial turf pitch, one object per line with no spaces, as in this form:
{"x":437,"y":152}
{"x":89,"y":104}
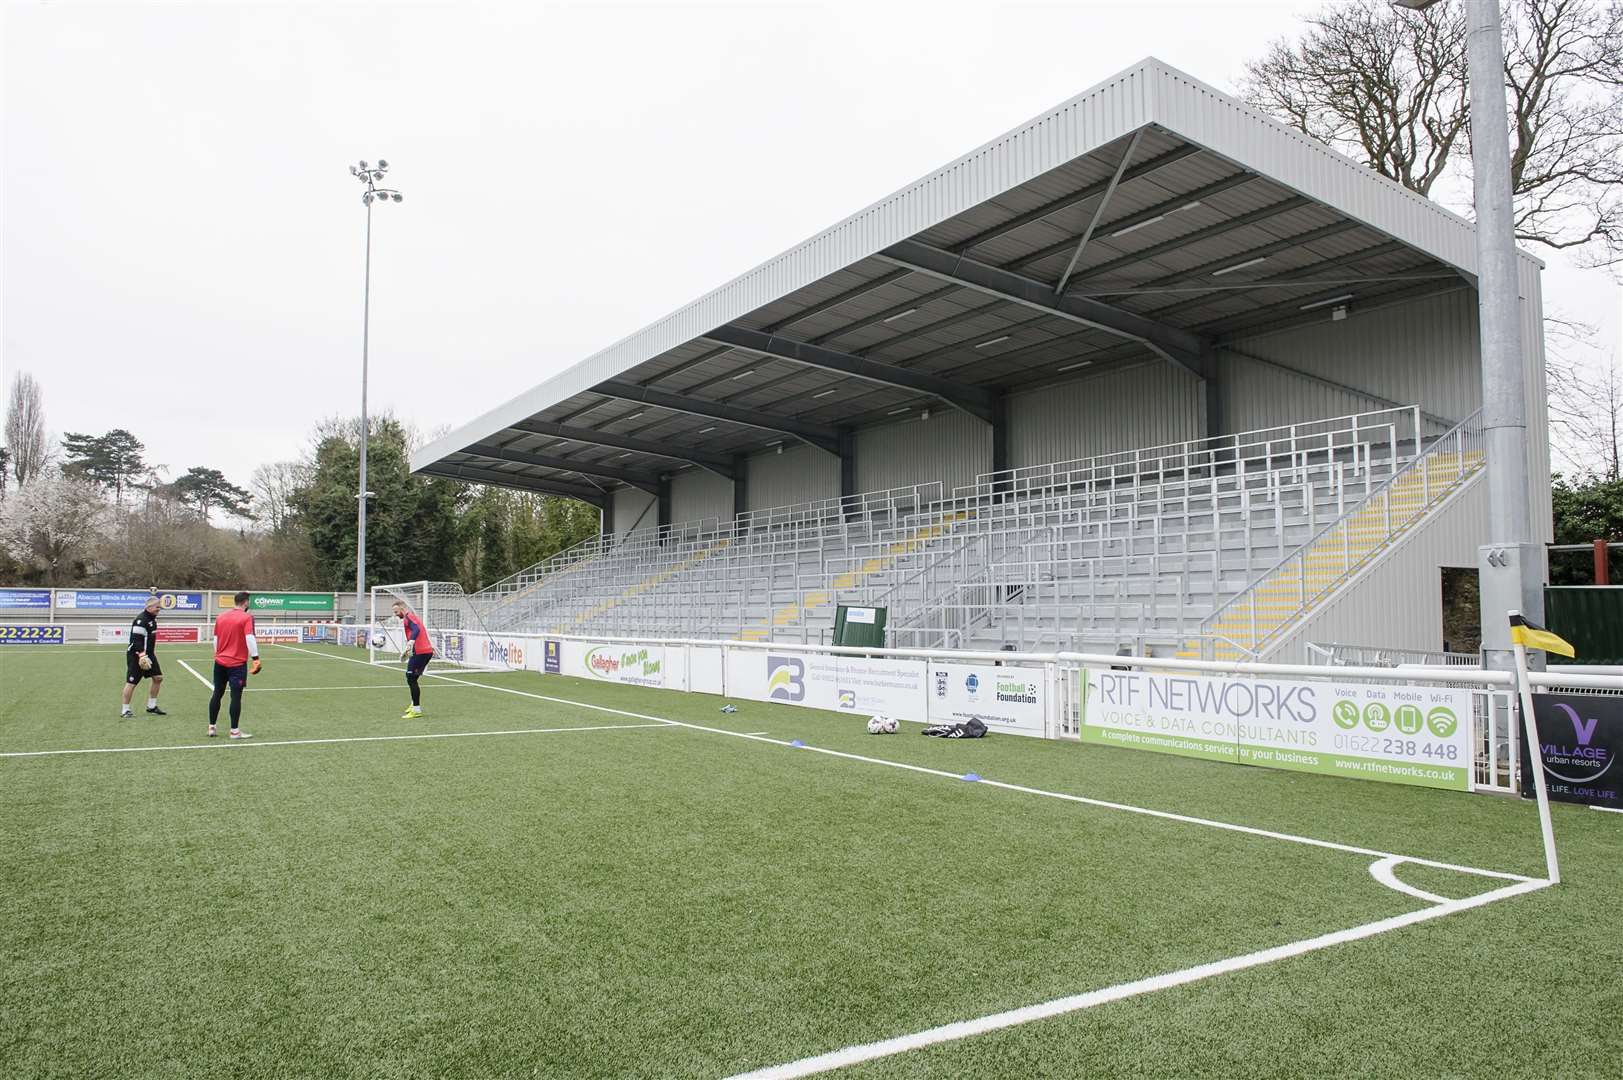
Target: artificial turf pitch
{"x":601,"y":894}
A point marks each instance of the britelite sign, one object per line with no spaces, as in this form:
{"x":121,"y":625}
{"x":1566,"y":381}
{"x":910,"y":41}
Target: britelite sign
{"x":1402,"y":735}
{"x":1580,"y":736}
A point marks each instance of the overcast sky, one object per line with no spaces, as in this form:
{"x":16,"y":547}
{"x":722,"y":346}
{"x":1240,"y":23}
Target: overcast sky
{"x":183,"y":243}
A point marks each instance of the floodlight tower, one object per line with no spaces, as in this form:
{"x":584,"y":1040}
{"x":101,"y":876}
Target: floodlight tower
{"x":370,"y":176}
{"x":1511,"y":563}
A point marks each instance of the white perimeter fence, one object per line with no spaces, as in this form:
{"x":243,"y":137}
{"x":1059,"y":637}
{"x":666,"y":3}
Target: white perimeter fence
{"x":1453,"y":728}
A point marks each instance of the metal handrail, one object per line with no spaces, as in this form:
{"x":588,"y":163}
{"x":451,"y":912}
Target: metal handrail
{"x":1455,"y":438}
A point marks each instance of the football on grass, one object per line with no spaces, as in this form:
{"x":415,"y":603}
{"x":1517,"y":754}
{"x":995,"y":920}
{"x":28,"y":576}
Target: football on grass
{"x":881,"y":725}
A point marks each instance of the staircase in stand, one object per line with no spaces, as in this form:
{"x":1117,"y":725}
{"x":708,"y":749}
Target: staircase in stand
{"x":1258,"y":619}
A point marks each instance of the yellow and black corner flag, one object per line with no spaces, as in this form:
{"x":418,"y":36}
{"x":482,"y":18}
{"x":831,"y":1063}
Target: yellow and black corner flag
{"x":1531,"y":635}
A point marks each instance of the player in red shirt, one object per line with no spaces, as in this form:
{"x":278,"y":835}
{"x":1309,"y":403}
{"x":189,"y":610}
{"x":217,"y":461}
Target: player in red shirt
{"x":419,"y":651}
{"x":234,"y":646}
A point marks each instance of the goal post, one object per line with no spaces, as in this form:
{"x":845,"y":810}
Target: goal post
{"x":453,"y":624}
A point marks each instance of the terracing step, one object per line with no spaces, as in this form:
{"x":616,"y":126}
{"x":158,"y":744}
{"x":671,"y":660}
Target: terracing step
{"x":651,"y":582}
{"x":811,"y":601}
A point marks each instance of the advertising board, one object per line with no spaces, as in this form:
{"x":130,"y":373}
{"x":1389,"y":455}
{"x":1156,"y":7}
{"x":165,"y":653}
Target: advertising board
{"x":25,"y":598}
{"x":1580,"y":737}
{"x":838,"y":683}
{"x":281,"y":601}
{"x":15,"y":634}
{"x":125,"y":600}
{"x":1399,"y":734}
{"x":1004,"y":698}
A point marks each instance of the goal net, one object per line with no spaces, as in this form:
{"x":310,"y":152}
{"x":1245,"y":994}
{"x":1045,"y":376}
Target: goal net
{"x":454,"y":627}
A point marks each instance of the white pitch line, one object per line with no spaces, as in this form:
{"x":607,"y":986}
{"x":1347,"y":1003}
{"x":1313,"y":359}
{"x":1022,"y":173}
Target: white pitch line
{"x":1165,"y":815}
{"x":317,"y":742}
{"x":397,"y":687}
{"x":1385,"y":872}
{"x":963,"y":1029}
{"x":198,"y":677}
{"x":1607,"y":809}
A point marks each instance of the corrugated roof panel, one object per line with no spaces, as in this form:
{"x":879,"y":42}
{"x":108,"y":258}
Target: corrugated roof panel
{"x":1047,"y":153}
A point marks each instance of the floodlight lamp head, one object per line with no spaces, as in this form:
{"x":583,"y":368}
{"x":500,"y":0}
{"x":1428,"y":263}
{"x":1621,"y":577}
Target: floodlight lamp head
{"x":382,"y":164}
{"x":363,"y":164}
{"x":399,"y":197}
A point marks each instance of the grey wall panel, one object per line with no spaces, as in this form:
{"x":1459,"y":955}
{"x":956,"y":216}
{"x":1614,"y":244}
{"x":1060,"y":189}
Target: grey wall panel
{"x":1421,"y":353}
{"x":697,"y":494}
{"x":629,"y":516}
{"x":1398,"y":602}
{"x":799,"y":474}
{"x":1149,"y":405}
{"x":952,"y":447}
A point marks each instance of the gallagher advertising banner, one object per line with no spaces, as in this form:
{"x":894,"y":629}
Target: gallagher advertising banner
{"x":638,"y":665}
{"x":1581,"y":736}
{"x":1402,"y":735}
{"x":32,"y":635}
{"x":125,"y":599}
{"x":25,"y":598}
{"x":839,"y":683}
{"x":1003,"y":698}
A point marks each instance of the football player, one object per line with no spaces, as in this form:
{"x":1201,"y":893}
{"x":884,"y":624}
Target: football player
{"x":141,"y":660}
{"x":419,"y":651}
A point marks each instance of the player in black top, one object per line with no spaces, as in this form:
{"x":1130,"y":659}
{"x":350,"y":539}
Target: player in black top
{"x":141,"y":659}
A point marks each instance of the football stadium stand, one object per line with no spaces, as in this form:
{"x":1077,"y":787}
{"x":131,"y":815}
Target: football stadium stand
{"x":1149,"y":373}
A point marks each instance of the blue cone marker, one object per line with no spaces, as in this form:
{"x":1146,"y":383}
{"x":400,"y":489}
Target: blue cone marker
{"x":972,"y":777}
{"x":797,"y":742}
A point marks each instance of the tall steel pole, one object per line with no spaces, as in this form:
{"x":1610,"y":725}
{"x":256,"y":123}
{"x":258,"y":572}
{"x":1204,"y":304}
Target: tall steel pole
{"x":369,"y":175}
{"x":360,"y":495}
{"x":1511,"y":563}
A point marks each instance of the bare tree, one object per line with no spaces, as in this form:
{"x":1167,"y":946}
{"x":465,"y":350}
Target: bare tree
{"x":25,"y":428}
{"x":273,"y":487}
{"x":1389,"y":86}
{"x":1585,"y":402}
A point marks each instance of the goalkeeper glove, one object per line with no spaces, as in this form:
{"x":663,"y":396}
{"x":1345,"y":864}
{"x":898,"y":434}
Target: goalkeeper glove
{"x":253,"y":669}
{"x":405,"y":656}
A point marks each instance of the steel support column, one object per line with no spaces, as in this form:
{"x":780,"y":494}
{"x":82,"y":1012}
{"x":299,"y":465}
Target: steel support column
{"x":848,"y":465}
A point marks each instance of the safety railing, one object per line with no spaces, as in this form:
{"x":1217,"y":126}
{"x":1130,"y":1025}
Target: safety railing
{"x":1260,"y":614}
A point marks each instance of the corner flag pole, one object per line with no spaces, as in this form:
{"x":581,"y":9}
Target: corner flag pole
{"x":1552,"y":867}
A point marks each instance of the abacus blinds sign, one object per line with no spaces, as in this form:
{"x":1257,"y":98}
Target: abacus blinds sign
{"x":638,"y":666}
{"x":1398,"y":734}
